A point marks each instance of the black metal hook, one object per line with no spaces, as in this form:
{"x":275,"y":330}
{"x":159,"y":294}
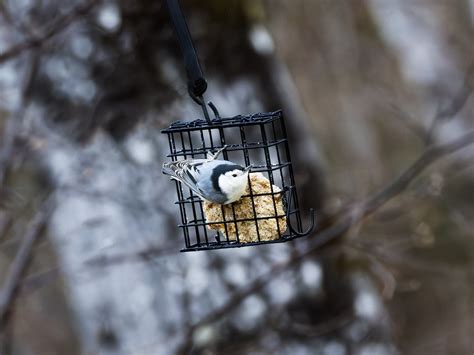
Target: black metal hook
{"x":200,"y":101}
{"x":205,"y":112}
{"x":294,"y":231}
{"x":214,"y":109}
{"x":307,"y":231}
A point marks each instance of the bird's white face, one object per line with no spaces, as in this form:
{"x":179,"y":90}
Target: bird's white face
{"x":233,"y":184}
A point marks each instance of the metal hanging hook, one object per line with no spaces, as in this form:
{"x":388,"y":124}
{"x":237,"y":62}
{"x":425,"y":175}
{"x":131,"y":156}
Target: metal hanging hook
{"x":307,"y":231}
{"x":214,"y":109}
{"x":294,"y":231}
{"x":201,"y":102}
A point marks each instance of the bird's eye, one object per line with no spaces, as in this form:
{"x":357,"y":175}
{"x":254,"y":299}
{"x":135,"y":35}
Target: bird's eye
{"x":234,"y":175}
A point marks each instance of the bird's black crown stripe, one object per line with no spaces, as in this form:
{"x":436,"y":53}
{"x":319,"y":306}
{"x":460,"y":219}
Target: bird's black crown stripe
{"x":222,"y":169}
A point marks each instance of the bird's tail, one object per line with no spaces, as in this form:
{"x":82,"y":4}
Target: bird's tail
{"x":169,"y":168}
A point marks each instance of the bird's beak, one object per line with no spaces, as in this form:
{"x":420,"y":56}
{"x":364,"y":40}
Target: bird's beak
{"x":247,"y":169}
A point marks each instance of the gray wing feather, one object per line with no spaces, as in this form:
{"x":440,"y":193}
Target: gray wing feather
{"x":187,"y":172}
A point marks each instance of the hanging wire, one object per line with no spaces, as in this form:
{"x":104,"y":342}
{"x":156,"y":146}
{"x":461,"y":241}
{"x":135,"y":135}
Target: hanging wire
{"x":197,"y":84}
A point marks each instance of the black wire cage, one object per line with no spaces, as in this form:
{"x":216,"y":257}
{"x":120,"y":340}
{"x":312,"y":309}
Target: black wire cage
{"x":268,"y":211}
{"x":259,"y":140}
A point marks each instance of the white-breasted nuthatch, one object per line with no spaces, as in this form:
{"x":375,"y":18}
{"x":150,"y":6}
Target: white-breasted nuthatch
{"x":218,"y":181}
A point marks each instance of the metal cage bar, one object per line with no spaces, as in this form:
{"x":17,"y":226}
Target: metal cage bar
{"x":266,"y":149}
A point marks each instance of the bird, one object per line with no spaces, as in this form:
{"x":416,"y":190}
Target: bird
{"x":218,"y":181}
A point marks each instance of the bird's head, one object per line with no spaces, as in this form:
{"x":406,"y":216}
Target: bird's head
{"x":233,"y":182}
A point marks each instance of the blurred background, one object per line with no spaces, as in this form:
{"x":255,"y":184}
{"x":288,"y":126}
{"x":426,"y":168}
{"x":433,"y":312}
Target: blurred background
{"x":366,"y":87}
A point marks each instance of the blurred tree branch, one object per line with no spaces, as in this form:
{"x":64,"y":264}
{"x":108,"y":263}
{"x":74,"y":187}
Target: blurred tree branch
{"x":141,"y":255}
{"x":12,"y":126}
{"x":454,"y":106}
{"x":19,"y":265}
{"x":342,"y":224}
{"x":53,"y":29}
{"x":410,"y":122}
{"x":429,"y":156}
{"x":444,"y":112}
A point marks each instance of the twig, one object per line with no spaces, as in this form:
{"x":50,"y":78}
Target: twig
{"x":430,"y":155}
{"x":443,"y":113}
{"x":19,"y":265}
{"x":59,"y":25}
{"x":33,"y":282}
{"x":18,"y":24}
{"x":455,"y":105}
{"x":5,"y":222}
{"x":139,"y":256}
{"x":345,"y":222}
{"x":410,"y":122}
{"x":13,"y":124}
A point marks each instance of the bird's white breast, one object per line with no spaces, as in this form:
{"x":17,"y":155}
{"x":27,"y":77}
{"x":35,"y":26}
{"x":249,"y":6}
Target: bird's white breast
{"x":233,"y":188}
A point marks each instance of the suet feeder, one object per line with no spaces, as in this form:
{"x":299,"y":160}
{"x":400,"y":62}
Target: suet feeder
{"x":268,"y":212}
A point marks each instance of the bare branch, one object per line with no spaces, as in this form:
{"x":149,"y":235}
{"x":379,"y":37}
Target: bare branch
{"x":430,"y":155}
{"x":409,"y":121}
{"x":36,"y":281}
{"x":139,"y":256}
{"x":18,"y":24}
{"x":5,"y":222}
{"x":338,"y":229}
{"x":13,"y":124}
{"x":19,"y":265}
{"x":455,"y":105}
{"x":443,"y":113}
{"x":58,"y":26}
